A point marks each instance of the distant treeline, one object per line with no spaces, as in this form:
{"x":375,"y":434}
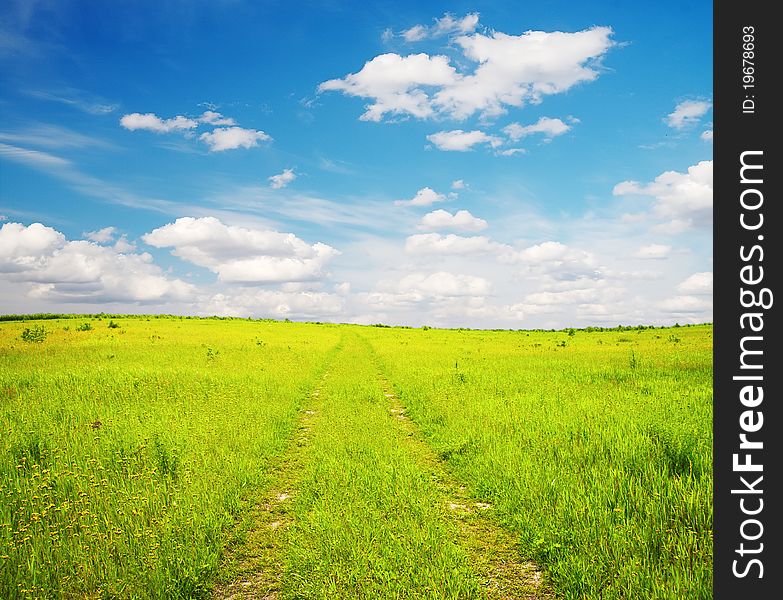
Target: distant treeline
{"x":45,"y":316}
{"x":568,"y":330}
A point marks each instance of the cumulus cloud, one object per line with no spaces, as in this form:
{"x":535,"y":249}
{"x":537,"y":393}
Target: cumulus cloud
{"x":435,"y":243}
{"x":446,"y":25}
{"x":56,"y":269}
{"x":225,"y":135}
{"x":282,"y":179}
{"x":101,"y":236}
{"x":698,"y":283}
{"x":683,"y":197}
{"x":458,"y":184}
{"x":462,"y":141}
{"x":152,"y":122}
{"x":241,"y":254}
{"x":394,"y":83}
{"x":231,"y":138}
{"x":462,"y":220}
{"x":27,"y":247}
{"x":687,"y":113}
{"x":547,"y":252}
{"x":426,"y":196}
{"x":653,"y":251}
{"x":554,"y":260}
{"x":509,"y":71}
{"x":548,"y":127}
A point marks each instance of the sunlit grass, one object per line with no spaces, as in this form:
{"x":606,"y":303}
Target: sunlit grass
{"x":126,"y":450}
{"x":595,"y":447}
{"x":129,"y":447}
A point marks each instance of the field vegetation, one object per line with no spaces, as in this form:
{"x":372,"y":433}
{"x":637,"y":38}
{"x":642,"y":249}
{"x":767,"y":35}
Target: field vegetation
{"x":146,"y":457}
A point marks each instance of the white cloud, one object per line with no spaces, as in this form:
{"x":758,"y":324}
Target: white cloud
{"x":510,"y":71}
{"x":512,"y":151}
{"x":514,"y":70}
{"x":677,"y":196}
{"x":435,"y":243}
{"x":24,"y":247}
{"x":575,"y":296}
{"x":231,"y":138}
{"x":52,"y":136}
{"x":546,"y":126}
{"x":123,"y":246}
{"x":240,"y":254}
{"x":446,"y":25}
{"x":685,"y":305}
{"x":426,"y":196}
{"x":687,"y":113}
{"x":275,"y":304}
{"x":394,"y":84}
{"x":672,"y":227}
{"x":547,"y":252}
{"x":698,"y":283}
{"x":653,"y":251}
{"x":58,"y":270}
{"x":101,"y":236}
{"x":152,"y":122}
{"x":554,"y":260}
{"x":706,"y":135}
{"x":415,"y":33}
{"x":215,"y":118}
{"x":34,"y":158}
{"x":462,"y":141}
{"x":417,"y":287}
{"x":282,"y":179}
{"x":462,"y":220}
{"x":458,"y":184}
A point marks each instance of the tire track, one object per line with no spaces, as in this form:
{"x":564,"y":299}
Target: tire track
{"x":493,"y":551}
{"x":256,"y":564}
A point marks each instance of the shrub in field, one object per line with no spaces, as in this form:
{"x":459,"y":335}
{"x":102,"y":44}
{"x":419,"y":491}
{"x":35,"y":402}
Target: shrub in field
{"x":84,"y":327}
{"x":36,"y":333}
{"x":113,"y":325}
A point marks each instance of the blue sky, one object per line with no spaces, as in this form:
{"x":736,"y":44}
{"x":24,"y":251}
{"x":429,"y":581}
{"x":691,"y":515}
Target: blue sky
{"x":454,"y":164}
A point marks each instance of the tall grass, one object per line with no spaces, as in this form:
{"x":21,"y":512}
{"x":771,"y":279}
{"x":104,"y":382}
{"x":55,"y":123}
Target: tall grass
{"x":368,"y":522}
{"x":595,"y":447}
{"x":125,"y":452}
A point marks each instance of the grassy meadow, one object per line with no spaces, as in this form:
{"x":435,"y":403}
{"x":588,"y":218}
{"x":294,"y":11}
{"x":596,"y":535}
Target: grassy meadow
{"x":135,"y":450}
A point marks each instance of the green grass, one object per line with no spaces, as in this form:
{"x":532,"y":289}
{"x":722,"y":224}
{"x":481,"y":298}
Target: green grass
{"x":598,"y":453}
{"x":131,"y":449}
{"x":124,"y":456}
{"x":368,"y":522}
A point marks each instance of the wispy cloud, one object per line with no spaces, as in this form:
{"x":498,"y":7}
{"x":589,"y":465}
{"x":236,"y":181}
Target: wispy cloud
{"x":52,"y":136}
{"x":79,"y":99}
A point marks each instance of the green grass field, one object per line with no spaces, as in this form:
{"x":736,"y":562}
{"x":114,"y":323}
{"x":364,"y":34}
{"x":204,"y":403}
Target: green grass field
{"x":200,"y":458}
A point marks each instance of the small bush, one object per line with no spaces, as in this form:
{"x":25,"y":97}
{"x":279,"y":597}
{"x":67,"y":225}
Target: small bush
{"x":113,"y":325}
{"x":34,"y":334}
{"x":84,"y":327}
